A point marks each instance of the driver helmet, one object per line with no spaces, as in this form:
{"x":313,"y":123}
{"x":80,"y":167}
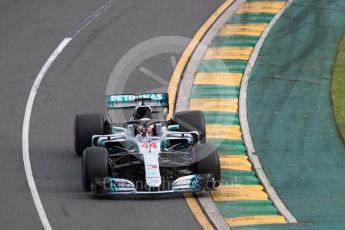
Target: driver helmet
{"x":145,"y":130}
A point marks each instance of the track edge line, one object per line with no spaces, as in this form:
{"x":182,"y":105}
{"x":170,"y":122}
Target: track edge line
{"x":29,"y":105}
{"x":25,"y":133}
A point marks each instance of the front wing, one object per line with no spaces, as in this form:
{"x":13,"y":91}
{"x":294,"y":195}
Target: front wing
{"x":110,"y":186}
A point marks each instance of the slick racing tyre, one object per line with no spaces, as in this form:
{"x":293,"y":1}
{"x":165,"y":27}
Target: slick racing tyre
{"x":192,"y":121}
{"x":94,"y":164}
{"x":86,"y":125}
{"x":207,"y":162}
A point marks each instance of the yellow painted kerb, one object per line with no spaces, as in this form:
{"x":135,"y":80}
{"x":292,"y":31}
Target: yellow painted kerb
{"x":172,"y":90}
{"x":214,"y":104}
{"x":226,"y":53}
{"x":243,"y":29}
{"x":255,"y":220}
{"x":234,"y":191}
{"x":197,"y":211}
{"x":176,"y":76}
{"x":231,"y":79}
{"x":260,"y":7}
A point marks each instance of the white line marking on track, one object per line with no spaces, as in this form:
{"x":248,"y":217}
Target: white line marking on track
{"x":173,"y":61}
{"x":87,"y":21}
{"x":25,"y":134}
{"x":27,"y":116}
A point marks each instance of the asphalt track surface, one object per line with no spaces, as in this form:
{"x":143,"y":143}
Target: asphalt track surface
{"x":76,"y":83}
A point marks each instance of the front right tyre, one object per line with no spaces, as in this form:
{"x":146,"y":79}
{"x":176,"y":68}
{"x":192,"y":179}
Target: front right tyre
{"x":94,"y":164}
{"x":86,"y":125}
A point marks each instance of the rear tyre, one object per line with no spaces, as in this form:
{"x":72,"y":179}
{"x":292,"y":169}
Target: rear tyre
{"x":94,"y":164}
{"x":207,"y":162}
{"x":86,"y":125}
{"x":192,"y":121}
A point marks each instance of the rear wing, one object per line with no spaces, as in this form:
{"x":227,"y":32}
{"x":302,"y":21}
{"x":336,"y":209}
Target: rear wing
{"x":131,"y":101}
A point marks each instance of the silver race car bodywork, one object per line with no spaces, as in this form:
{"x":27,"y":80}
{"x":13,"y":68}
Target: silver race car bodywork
{"x":144,"y":155}
{"x":149,"y":153}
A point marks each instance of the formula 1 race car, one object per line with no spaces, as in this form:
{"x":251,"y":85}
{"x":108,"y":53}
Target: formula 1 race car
{"x":148,"y":154}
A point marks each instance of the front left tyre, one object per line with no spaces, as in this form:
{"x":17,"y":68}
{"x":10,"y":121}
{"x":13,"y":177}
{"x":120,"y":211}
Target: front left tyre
{"x":86,"y":125}
{"x":94,"y":164}
{"x":206,"y":158}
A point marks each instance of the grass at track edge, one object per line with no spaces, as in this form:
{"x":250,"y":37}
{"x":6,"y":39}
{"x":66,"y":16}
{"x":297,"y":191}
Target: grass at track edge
{"x":338,"y":89}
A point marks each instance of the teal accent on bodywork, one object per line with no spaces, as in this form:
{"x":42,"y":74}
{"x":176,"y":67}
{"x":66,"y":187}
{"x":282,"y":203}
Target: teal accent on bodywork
{"x":128,"y":100}
{"x":117,"y":129}
{"x":195,"y":183}
{"x":173,"y":127}
{"x":101,"y":143}
{"x":113,"y":186}
{"x":164,"y":144}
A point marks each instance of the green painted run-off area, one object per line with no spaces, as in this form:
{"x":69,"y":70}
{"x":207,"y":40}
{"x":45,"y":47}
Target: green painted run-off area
{"x":291,"y":118}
